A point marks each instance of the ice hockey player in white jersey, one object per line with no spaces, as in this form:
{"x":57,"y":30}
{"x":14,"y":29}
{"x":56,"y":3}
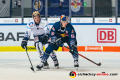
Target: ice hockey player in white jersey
{"x":40,"y":29}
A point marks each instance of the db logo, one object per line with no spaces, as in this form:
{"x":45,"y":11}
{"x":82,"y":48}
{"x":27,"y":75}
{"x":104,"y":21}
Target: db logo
{"x":106,"y":35}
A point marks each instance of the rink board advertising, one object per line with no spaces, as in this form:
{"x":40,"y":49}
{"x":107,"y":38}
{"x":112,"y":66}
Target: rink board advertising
{"x":89,"y":38}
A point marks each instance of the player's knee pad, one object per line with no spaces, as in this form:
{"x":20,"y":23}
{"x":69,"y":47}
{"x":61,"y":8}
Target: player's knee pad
{"x":39,"y":48}
{"x":53,"y":55}
{"x":37,"y":44}
{"x":36,"y":40}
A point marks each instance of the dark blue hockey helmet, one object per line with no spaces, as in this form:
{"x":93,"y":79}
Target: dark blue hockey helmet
{"x":63,"y":18}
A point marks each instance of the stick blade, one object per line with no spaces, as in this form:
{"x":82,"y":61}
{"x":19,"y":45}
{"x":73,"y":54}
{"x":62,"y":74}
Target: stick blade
{"x":32,"y":69}
{"x":99,"y":64}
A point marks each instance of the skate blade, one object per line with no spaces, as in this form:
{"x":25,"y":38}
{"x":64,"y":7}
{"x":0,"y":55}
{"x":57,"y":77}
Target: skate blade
{"x":38,"y":69}
{"x":57,"y":67}
{"x":46,"y":67}
{"x":76,"y":68}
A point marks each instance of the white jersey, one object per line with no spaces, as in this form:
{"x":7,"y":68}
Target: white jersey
{"x":38,"y":30}
{"x":41,"y":29}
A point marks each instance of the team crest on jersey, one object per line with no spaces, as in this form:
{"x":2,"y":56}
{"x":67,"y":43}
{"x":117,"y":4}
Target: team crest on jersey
{"x":64,"y":35}
{"x":38,"y":5}
{"x":53,"y":29}
{"x":76,"y":5}
{"x":52,"y":33}
{"x":31,"y":24}
{"x":72,"y":36}
{"x":58,"y":29}
{"x":72,"y":31}
{"x":66,"y":32}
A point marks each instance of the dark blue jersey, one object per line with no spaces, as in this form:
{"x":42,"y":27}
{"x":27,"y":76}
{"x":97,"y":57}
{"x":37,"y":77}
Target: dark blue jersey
{"x":67,"y":33}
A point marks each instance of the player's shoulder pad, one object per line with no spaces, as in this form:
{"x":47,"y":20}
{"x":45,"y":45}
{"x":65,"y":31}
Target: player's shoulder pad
{"x":44,"y":23}
{"x":70,"y":26}
{"x":43,"y":19}
{"x":56,"y":25}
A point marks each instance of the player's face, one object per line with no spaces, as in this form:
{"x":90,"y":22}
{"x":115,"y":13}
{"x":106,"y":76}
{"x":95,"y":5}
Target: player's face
{"x":64,"y":23}
{"x":37,"y":19}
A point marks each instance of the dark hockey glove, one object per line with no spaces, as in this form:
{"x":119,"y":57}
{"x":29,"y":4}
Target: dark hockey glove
{"x":45,"y":39}
{"x":24,"y":44}
{"x":58,"y":42}
{"x":73,"y":48}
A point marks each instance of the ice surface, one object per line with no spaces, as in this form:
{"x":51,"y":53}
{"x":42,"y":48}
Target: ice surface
{"x":16,"y":66}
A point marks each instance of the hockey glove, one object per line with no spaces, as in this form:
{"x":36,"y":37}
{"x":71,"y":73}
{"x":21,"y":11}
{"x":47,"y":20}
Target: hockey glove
{"x":58,"y":42}
{"x":24,"y":44}
{"x":73,"y":48}
{"x":45,"y":39}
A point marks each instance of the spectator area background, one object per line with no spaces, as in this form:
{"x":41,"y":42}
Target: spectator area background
{"x":5,"y":8}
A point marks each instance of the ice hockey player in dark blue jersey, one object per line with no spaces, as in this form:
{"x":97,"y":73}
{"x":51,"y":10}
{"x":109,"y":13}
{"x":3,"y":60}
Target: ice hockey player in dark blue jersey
{"x":61,"y":32}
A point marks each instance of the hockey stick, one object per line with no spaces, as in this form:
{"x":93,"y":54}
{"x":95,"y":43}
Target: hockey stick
{"x":29,"y":60}
{"x":98,"y":64}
